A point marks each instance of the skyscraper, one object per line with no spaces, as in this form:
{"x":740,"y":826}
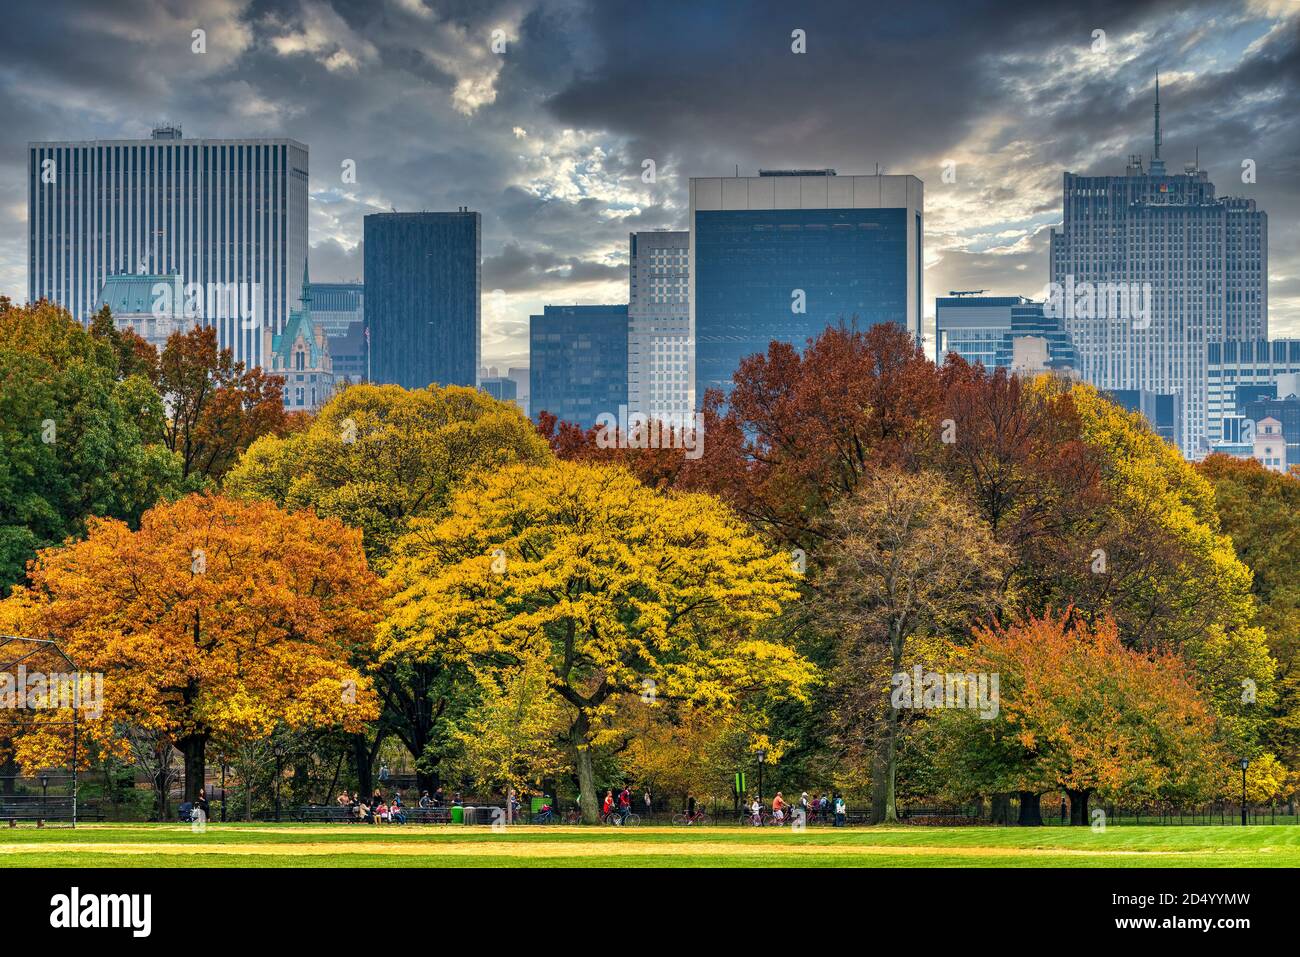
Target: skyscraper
{"x":422,"y":295}
{"x":228,"y":217}
{"x":1192,"y":269}
{"x":782,"y":255}
{"x":577,"y":362}
{"x":660,"y":360}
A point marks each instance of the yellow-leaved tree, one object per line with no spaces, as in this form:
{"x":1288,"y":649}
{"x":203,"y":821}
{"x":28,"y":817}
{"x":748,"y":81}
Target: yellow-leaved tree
{"x":620,"y":590}
{"x":215,"y":617}
{"x":376,"y":457}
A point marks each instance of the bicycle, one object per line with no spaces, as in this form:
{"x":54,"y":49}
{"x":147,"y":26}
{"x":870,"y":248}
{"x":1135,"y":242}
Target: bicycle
{"x":698,"y":819}
{"x":619,"y":819}
{"x":750,"y":819}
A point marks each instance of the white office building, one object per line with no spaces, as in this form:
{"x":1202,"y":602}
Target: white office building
{"x":660,"y":358}
{"x":229,"y":217}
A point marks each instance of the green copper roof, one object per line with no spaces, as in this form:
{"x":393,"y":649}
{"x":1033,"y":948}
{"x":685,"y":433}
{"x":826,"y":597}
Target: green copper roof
{"x":130,"y":293}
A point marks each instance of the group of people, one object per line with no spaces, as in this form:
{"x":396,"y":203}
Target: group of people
{"x":821,"y":807}
{"x":622,"y":804}
{"x":373,"y":810}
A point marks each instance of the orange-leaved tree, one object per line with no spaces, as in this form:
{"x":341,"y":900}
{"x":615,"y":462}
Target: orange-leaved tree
{"x":217,"y":616}
{"x":1081,"y":712}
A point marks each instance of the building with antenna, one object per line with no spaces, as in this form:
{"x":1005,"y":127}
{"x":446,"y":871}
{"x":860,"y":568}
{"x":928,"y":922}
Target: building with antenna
{"x":1197,"y":263}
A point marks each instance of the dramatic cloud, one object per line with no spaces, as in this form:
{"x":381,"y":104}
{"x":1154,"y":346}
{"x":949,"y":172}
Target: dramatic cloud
{"x":540,"y":114}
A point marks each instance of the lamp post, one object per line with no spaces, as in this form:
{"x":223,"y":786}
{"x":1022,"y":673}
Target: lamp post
{"x":762,"y":757}
{"x":1245,"y":763}
{"x":45,"y":783}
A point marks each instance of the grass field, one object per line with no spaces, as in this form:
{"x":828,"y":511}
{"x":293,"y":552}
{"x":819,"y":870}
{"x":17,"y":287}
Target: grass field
{"x":341,"y":845}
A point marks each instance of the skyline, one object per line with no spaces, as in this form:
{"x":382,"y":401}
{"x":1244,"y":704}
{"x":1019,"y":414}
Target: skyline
{"x":548,"y":139}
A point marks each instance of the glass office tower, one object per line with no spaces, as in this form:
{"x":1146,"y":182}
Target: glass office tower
{"x":422,"y":297}
{"x":577,"y":361}
{"x":782,"y":255}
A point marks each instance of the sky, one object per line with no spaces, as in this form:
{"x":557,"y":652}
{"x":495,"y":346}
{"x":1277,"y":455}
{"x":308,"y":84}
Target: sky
{"x":540,"y":114}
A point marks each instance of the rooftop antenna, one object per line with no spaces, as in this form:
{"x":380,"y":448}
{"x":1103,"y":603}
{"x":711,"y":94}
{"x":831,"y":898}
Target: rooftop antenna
{"x":1157,"y":155}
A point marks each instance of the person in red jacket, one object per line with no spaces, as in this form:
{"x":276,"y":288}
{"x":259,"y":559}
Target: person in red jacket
{"x":608,"y":806}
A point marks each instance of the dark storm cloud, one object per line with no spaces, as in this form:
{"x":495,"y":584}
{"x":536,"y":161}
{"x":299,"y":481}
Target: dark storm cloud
{"x":547,"y":141}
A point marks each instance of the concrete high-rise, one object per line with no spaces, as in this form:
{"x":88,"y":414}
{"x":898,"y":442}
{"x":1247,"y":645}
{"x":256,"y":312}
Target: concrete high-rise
{"x":423,"y":297}
{"x":782,"y":255}
{"x":660,"y":360}
{"x":1152,"y":270}
{"x":226,"y":217}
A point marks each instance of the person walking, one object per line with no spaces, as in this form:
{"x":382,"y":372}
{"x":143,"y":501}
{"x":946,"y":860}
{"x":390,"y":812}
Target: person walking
{"x":840,"y":811}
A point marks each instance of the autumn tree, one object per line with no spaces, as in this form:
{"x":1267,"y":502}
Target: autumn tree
{"x":217,"y":406}
{"x":619,"y":589}
{"x":76,"y":437}
{"x":215,"y":616}
{"x":509,"y":737}
{"x":1260,"y":510}
{"x":1079,"y":711}
{"x":132,"y":355}
{"x":377,"y":457}
{"x":801,"y":429}
{"x":909,"y":556}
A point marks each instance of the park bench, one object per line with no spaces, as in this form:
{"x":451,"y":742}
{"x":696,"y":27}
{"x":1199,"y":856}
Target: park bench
{"x":55,"y":810}
{"x":324,"y":812}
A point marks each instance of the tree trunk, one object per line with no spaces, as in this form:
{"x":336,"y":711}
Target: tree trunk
{"x":361,"y":759}
{"x":891,"y":773}
{"x":426,"y":780}
{"x":1000,"y":808}
{"x":194,"y":748}
{"x":586,"y":771}
{"x":1079,"y":806}
{"x":162,"y":787}
{"x":891,"y":744}
{"x":1031,"y":812}
{"x":879,"y":775}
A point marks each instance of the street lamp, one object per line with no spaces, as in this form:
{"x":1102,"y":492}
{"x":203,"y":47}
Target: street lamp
{"x":762,"y":756}
{"x":1245,"y":763}
{"x":45,"y":783}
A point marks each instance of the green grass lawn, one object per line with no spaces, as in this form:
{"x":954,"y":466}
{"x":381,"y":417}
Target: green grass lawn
{"x":342,"y":845}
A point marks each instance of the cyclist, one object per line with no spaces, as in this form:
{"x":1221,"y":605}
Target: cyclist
{"x":756,"y":812}
{"x":545,"y":813}
{"x":778,"y":808}
{"x":690,"y":809}
{"x":624,"y":804}
{"x":608,"y":806}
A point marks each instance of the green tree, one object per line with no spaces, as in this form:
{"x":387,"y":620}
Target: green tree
{"x":76,"y":438}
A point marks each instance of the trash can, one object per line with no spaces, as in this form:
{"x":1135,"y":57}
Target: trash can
{"x":457,"y":814}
